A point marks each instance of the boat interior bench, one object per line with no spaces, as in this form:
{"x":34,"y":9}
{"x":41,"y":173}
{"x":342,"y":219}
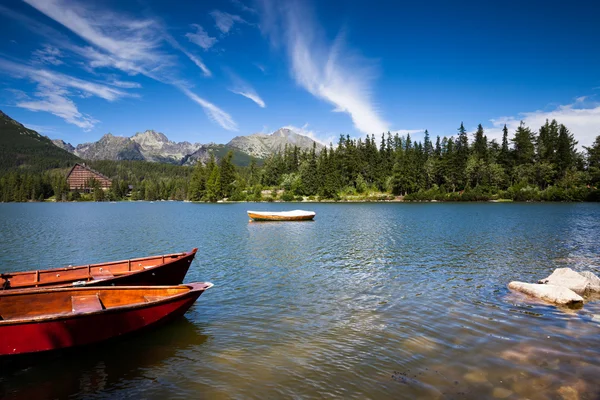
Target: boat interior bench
{"x":83,"y":304}
{"x":99,"y":276}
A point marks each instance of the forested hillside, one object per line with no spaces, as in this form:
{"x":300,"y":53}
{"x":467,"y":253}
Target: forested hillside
{"x":26,"y":150}
{"x":526,"y":165}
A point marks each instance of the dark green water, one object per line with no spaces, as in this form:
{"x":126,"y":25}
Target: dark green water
{"x":368,"y":301}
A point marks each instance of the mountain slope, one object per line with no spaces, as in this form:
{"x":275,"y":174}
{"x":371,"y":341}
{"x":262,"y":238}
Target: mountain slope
{"x":155,"y":146}
{"x":110,"y":147}
{"x":260,"y":145}
{"x":24,"y":148}
{"x":219,"y":151}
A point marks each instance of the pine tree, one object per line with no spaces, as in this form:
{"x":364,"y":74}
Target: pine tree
{"x":504,"y":155}
{"x":213,"y":185}
{"x":480,"y":144}
{"x":438,"y":147}
{"x":524,"y":151}
{"x":566,"y":152}
{"x":593,"y":161}
{"x":197,"y":188}
{"x":227,"y":171}
{"x":427,"y":145}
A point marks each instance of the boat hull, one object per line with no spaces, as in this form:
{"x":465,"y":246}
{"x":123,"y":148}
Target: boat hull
{"x":276,"y":217}
{"x":159,"y":270}
{"x":62,"y":332}
{"x":172,"y":274}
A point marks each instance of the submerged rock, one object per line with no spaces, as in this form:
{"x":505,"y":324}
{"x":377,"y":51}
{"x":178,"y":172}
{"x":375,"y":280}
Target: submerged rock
{"x":501,"y":393}
{"x":554,"y":294}
{"x":584,"y":283}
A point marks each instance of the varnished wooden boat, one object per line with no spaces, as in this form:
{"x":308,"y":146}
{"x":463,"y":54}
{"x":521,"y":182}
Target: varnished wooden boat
{"x":168,"y":269}
{"x":296,"y":215}
{"x":40,"y":320}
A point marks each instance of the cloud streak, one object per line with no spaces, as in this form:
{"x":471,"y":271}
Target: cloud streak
{"x":212,"y":111}
{"x":54,"y":89}
{"x":329,"y":72}
{"x":243,"y":88}
{"x":53,"y":99}
{"x":134,"y":46}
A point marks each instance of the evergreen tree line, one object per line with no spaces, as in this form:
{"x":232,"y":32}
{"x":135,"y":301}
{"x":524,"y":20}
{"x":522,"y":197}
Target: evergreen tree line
{"x":526,"y":165}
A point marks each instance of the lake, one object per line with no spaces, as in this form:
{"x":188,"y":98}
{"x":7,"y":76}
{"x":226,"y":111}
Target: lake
{"x":385,"y":300}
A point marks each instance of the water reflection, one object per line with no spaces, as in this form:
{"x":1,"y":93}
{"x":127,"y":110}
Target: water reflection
{"x":96,"y":370}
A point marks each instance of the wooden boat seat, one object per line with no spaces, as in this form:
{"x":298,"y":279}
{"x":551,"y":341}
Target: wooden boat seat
{"x":99,"y":276}
{"x":82,"y":304}
{"x":153,"y":298}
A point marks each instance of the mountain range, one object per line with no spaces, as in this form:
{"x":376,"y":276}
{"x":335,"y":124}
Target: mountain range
{"x":156,"y":147}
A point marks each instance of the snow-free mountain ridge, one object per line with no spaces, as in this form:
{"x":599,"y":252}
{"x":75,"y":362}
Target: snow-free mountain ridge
{"x":156,"y":147}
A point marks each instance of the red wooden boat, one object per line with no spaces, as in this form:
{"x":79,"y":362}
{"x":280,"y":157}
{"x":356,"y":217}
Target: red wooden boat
{"x":33,"y":321}
{"x":168,"y":269}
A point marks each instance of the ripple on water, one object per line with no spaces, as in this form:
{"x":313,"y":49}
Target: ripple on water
{"x":369,"y":300}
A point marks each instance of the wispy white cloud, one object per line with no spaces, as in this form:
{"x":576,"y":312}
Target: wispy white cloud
{"x":201,"y":37}
{"x":53,"y":99}
{"x":48,"y":54}
{"x":199,"y":64}
{"x":244,"y":7}
{"x":195,"y":59}
{"x":329,"y":72}
{"x":224,"y":21}
{"x":125,"y":84}
{"x":582,"y":119}
{"x":135,"y":46}
{"x":53,"y":92}
{"x":212,"y":111}
{"x":261,"y":67}
{"x":243,"y":88}
{"x":129,"y":39}
{"x":250,"y":95}
{"x":43,"y":75}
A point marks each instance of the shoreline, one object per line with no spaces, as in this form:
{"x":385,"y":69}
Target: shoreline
{"x":343,"y":201}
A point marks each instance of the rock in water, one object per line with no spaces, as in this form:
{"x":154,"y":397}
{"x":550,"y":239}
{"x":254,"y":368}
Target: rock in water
{"x":570,"y":279}
{"x":554,"y":294}
{"x":594,"y":281}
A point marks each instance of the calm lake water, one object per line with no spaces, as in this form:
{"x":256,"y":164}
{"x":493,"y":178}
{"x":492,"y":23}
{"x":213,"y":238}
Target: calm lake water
{"x":368,"y":301}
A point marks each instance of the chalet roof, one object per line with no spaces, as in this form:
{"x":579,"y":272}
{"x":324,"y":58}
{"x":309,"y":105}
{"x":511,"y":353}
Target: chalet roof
{"x":89,"y":169}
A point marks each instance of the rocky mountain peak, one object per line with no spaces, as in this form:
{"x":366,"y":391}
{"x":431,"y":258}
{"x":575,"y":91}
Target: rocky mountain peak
{"x":64,"y":145}
{"x":260,"y":145}
{"x":150,"y":137}
{"x":284,"y":132}
{"x":151,"y":145}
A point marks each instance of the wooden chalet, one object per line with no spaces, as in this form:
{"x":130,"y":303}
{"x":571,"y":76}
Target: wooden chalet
{"x":80,"y":177}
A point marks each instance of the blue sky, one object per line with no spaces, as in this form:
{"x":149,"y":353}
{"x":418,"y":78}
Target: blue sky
{"x":208,"y":71}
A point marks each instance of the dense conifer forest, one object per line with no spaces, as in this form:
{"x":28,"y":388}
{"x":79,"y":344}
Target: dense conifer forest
{"x":526,"y":166}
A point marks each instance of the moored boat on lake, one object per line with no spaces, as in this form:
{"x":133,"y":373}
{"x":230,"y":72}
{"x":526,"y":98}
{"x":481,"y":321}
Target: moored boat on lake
{"x":168,"y":269}
{"x":40,"y":320}
{"x":296,"y":215}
